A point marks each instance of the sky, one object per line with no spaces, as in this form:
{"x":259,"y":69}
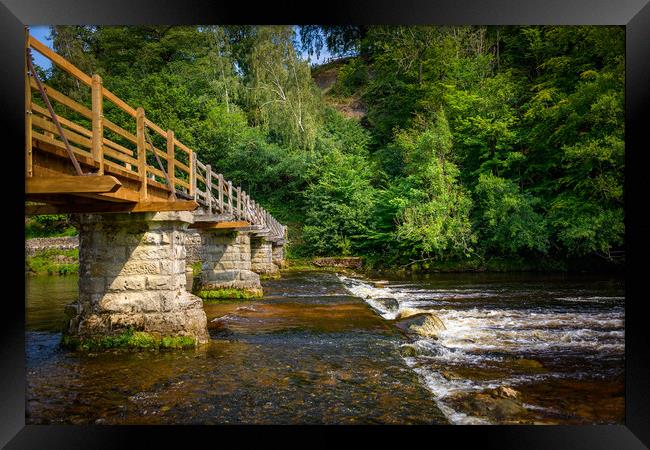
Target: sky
{"x":42,"y":32}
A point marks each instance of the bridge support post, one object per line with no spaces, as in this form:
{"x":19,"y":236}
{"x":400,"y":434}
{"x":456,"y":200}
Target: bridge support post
{"x":262,"y":257}
{"x":278,"y":255}
{"x":132,"y":278}
{"x":226,"y":269}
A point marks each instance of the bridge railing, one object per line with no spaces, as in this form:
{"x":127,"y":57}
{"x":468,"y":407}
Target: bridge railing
{"x":137,"y":148}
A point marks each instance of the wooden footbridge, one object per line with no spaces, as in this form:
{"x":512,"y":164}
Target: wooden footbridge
{"x":109,"y":157}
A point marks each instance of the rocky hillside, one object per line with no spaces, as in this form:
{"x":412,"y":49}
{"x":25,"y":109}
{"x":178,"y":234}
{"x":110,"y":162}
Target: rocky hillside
{"x":326,"y":76}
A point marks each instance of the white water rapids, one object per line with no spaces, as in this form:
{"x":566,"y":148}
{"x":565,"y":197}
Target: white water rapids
{"x":491,"y":326}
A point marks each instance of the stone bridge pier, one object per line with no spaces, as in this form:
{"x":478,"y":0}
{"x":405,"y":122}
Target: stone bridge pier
{"x":132,"y":275}
{"x":277,"y":254}
{"x":262,"y":257}
{"x":227,"y":269}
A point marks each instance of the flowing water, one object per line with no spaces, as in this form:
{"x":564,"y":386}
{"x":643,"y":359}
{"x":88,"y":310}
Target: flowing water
{"x":324,"y":348}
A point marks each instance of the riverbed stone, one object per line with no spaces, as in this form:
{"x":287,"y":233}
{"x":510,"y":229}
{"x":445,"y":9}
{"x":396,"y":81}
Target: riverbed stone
{"x":132,"y":275}
{"x":388,"y":303}
{"x":423,"y":324}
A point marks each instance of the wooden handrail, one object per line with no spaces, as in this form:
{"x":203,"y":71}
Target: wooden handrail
{"x":227,"y":198}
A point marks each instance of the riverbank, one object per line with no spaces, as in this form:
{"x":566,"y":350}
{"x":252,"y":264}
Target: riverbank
{"x":59,"y":255}
{"x":53,"y":262}
{"x":373,"y":268}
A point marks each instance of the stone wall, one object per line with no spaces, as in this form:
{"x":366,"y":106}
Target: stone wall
{"x":35,"y":245}
{"x":132,"y":274}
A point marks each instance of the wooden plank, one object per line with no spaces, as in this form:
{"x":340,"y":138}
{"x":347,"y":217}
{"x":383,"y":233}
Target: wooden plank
{"x":120,"y":170}
{"x":98,"y":127}
{"x":57,"y":96}
{"x":69,"y":185}
{"x":55,"y":142}
{"x":59,"y":61}
{"x":170,"y":157}
{"x":142,"y":150}
{"x":183,"y":183}
{"x":118,"y":102}
{"x":193,"y":174}
{"x":244,"y":200}
{"x":156,"y":172}
{"x":117,"y":147}
{"x":63,"y":121}
{"x":122,"y":195}
{"x":46,"y":125}
{"x":159,"y":152}
{"x":106,"y":207}
{"x":182,"y":166}
{"x":155,"y":128}
{"x":44,"y":149}
{"x":120,"y":156}
{"x":238,"y":196}
{"x":28,"y":113}
{"x":120,"y":131}
{"x":220,"y":225}
{"x":220,"y":192}
{"x":208,"y":185}
{"x":183,"y":147}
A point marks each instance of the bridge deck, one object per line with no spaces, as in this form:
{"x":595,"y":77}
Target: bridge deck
{"x":120,"y":153}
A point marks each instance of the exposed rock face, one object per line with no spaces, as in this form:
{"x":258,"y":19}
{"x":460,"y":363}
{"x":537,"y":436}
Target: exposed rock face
{"x":262,"y":257}
{"x":227,"y":262}
{"x":132,"y":275}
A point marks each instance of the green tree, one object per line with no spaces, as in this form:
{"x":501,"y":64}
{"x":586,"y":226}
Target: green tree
{"x":507,"y":222}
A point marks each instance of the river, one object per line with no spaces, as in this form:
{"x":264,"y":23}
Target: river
{"x":321,"y":348}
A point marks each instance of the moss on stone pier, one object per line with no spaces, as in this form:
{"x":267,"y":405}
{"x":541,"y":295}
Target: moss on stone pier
{"x":128,"y":339}
{"x":222,"y":294}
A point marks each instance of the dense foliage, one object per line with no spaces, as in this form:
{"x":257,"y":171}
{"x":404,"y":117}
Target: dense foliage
{"x":475,"y":142}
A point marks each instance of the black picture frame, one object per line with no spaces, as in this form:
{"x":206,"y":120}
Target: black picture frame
{"x":633,"y":14}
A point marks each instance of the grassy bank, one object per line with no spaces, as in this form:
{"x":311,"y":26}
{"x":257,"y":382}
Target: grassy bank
{"x":53,"y":262}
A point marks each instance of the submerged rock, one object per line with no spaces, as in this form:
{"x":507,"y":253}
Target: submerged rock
{"x":493,"y":408}
{"x":506,"y":392}
{"x":388,"y":303}
{"x":408,"y":350}
{"x":424,"y":324}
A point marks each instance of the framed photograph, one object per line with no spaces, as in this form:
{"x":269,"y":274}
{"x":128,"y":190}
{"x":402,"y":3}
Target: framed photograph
{"x":418,"y":218}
